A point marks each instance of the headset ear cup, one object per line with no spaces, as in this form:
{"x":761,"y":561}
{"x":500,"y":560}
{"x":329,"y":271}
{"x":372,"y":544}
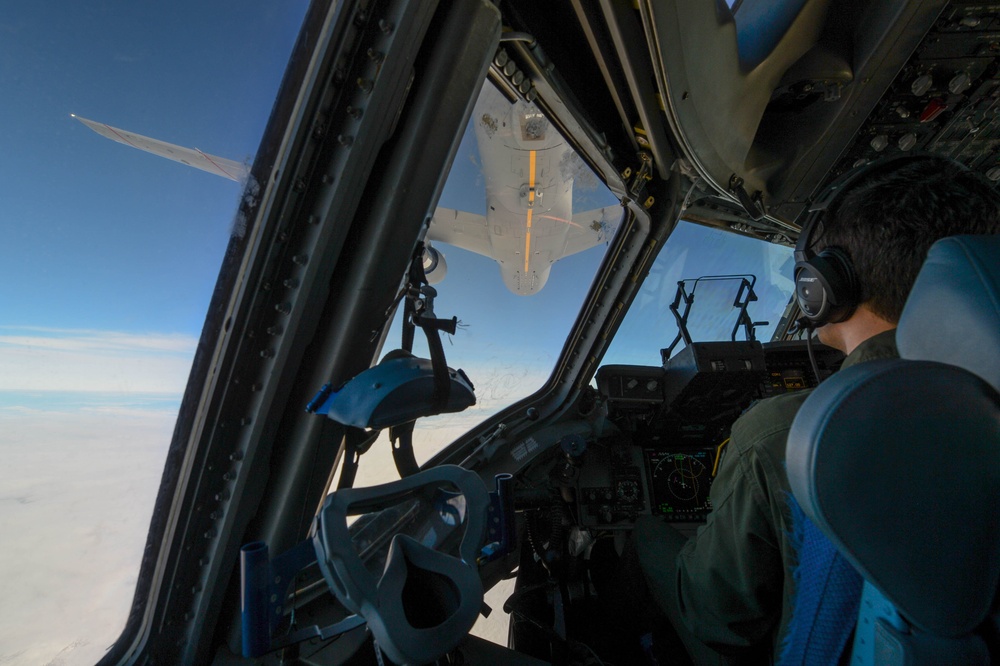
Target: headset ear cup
{"x":826,"y":287}
{"x":845,"y":294}
{"x":811,"y":293}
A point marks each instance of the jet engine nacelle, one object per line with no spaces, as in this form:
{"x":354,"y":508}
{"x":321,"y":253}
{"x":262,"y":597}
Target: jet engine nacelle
{"x":435,"y":267}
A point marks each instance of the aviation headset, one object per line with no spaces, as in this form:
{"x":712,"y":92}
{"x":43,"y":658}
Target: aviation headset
{"x":827,"y":289}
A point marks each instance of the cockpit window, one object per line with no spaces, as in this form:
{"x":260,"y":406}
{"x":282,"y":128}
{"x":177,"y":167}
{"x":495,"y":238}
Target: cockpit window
{"x":522,"y":226}
{"x":108,"y":262}
{"x":693,"y":252}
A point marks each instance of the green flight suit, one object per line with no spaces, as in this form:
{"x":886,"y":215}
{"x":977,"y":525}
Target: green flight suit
{"x":730,"y":586}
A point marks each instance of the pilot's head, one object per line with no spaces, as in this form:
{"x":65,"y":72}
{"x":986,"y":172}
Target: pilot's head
{"x":884,"y":221}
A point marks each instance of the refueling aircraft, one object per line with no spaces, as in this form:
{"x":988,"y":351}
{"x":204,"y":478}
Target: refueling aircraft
{"x":529,"y":169}
{"x":715,"y":125}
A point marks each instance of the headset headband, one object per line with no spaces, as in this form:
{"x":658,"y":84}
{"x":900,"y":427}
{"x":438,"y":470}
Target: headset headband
{"x":844,"y":183}
{"x":835,"y":191}
{"x":827,"y":286}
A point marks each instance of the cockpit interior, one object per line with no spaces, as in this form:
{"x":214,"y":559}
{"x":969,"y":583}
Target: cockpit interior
{"x":343,"y":488}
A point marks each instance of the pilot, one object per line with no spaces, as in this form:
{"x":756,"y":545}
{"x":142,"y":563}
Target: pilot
{"x":728,"y":591}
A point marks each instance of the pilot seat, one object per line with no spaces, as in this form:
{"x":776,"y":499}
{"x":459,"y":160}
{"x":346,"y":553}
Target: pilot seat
{"x":897,"y":463}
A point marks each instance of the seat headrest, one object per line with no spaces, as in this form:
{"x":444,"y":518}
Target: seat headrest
{"x":898,"y":463}
{"x":953,"y":312}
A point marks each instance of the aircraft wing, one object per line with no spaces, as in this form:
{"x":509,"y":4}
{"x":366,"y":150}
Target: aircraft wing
{"x":465,"y":230}
{"x":592,"y":227}
{"x":220,"y":166}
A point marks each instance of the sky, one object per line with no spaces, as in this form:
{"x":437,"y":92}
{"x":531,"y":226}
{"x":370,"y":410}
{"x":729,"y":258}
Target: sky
{"x":80,"y":213}
{"x":691,"y":252}
{"x":108,"y":260}
{"x":107,"y":264}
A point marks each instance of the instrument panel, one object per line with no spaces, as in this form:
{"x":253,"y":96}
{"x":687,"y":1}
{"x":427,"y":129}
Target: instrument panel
{"x":621,"y":481}
{"x":675,"y":421}
{"x":613,"y":489}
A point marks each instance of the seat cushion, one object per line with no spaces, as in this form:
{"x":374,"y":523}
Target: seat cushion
{"x":898,"y":463}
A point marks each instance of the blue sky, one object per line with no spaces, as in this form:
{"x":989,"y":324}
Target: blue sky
{"x":99,"y":236}
{"x":496,"y":320}
{"x":107,"y":263}
{"x":108,"y":260}
{"x":694,"y":251}
{"x":103,"y":238}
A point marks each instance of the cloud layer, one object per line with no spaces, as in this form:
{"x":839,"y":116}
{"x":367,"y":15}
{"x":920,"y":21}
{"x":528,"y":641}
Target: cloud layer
{"x":41,"y":359}
{"x":85,"y":422}
{"x":76,"y":495}
{"x":86,"y":418}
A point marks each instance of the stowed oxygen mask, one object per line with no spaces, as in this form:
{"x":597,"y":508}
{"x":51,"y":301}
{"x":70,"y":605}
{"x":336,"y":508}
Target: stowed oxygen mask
{"x":401,"y":388}
{"x":403,"y":557}
{"x":407,"y":565}
{"x":423,"y":594}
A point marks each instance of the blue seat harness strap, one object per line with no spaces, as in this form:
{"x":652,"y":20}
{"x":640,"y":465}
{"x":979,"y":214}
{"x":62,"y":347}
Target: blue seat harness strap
{"x":827,"y":597}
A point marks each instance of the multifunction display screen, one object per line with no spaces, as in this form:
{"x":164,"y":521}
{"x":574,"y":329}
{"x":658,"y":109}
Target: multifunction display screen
{"x":679,"y":482}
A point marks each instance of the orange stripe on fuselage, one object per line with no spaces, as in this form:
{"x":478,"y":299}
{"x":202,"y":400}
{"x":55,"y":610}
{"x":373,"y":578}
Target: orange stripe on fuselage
{"x":531,"y":202}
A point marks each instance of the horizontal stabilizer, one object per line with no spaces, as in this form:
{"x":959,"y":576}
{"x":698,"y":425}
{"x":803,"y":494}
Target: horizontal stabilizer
{"x":593,"y":227}
{"x":220,"y":166}
{"x":465,"y":230}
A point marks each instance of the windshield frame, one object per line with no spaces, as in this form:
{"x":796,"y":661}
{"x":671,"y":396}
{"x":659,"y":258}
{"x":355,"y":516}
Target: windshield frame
{"x":243,"y":449}
{"x":232,"y":273}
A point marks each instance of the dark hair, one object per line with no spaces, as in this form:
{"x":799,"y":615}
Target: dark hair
{"x":888,"y":220}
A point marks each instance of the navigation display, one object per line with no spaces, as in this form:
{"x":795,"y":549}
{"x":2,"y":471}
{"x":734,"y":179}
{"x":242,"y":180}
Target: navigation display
{"x":679,"y":482}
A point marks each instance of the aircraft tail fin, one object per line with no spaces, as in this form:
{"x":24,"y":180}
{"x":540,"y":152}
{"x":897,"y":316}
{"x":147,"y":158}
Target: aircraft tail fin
{"x":220,"y":166}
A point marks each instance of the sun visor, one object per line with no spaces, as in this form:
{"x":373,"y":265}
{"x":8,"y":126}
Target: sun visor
{"x":398,"y":390}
